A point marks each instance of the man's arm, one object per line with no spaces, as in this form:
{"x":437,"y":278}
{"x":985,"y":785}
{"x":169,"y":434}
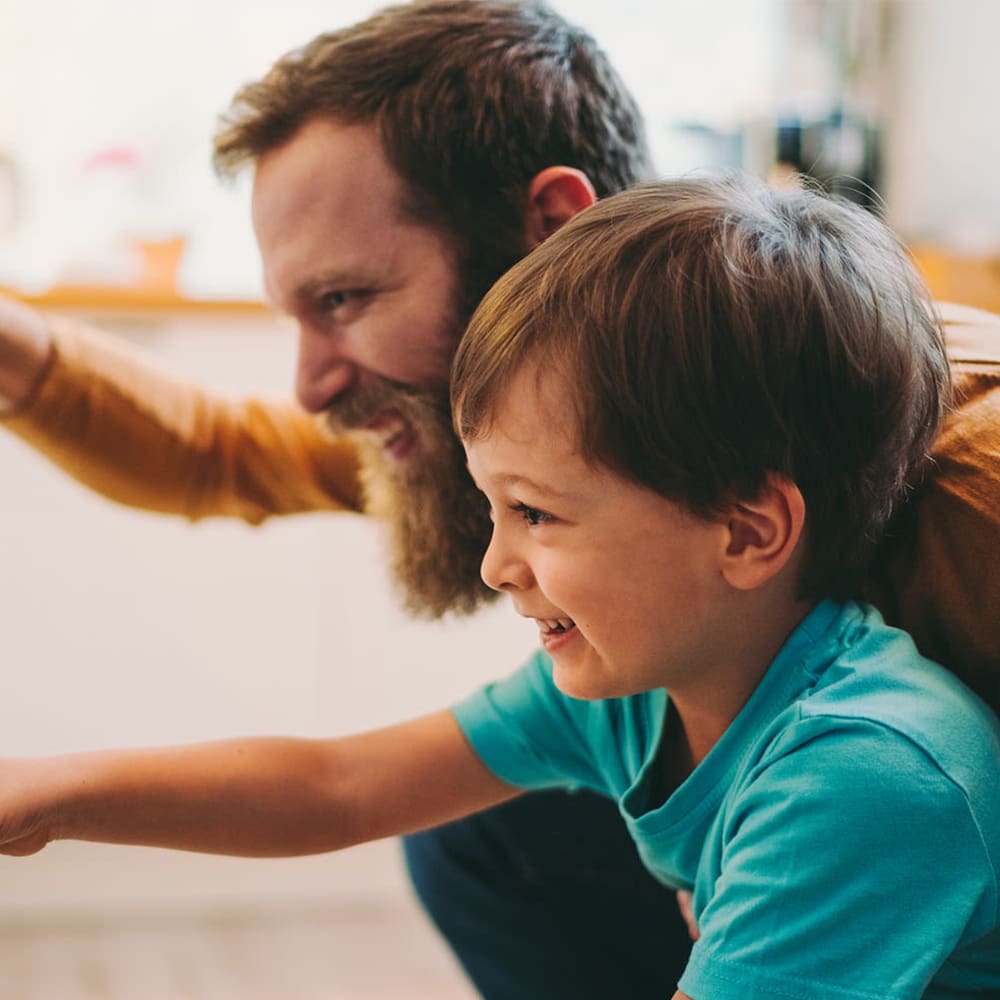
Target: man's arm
{"x":251,"y":797}
{"x":144,"y":438}
{"x":25,"y":351}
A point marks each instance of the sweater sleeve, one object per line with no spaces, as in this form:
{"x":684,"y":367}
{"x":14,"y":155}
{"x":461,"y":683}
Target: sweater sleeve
{"x":146,"y":439}
{"x":939,"y":574}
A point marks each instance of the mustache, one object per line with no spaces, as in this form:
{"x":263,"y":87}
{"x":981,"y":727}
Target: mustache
{"x":362,"y":403}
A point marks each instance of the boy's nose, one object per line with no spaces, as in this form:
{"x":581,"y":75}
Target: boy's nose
{"x":502,"y":569}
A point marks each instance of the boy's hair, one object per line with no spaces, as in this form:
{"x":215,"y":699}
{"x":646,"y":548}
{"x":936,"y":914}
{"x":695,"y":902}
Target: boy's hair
{"x":713,"y":331}
{"x":471,"y":98}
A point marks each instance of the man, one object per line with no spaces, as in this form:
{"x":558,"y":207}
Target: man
{"x":401,"y":165}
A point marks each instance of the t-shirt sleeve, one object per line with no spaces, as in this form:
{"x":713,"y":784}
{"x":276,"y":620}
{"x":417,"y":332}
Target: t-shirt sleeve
{"x":532,"y":735}
{"x":832,"y":882}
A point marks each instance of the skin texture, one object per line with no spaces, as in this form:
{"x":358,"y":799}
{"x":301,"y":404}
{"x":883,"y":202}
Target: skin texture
{"x":265,"y":797}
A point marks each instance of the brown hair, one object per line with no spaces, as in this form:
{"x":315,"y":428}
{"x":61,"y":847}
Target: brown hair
{"x":715,"y":331}
{"x":471,"y":98}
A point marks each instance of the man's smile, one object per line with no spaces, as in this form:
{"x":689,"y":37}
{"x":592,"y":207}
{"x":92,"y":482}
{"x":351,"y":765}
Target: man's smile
{"x":397,"y":436}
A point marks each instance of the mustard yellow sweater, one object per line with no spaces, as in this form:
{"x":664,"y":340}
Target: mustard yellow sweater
{"x":144,"y":439}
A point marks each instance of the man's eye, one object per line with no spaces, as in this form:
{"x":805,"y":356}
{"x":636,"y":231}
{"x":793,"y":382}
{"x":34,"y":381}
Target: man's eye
{"x":532,"y":515}
{"x":333,"y":300}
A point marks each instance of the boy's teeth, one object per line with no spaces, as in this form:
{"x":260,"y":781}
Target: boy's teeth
{"x":556,"y":624}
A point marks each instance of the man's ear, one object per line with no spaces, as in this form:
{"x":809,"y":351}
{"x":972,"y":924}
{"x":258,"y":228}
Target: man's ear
{"x":554,"y":196}
{"x":763,"y":534}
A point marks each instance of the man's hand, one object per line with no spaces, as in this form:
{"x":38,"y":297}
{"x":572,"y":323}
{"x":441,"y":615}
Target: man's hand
{"x":25,"y":349}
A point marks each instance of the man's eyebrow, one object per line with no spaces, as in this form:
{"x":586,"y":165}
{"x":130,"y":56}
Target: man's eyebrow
{"x":318,"y":284}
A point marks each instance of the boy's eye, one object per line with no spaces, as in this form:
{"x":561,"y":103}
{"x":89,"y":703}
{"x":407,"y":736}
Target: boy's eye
{"x":532,"y":515}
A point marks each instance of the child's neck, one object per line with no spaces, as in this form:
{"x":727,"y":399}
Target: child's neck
{"x":701,"y":711}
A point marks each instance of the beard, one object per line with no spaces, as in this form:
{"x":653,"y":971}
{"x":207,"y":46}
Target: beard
{"x":437,"y":524}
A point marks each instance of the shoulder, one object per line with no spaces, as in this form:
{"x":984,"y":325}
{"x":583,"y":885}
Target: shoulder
{"x":872,"y":707}
{"x":937,"y":573}
{"x":528,"y":731}
{"x":844,"y":785}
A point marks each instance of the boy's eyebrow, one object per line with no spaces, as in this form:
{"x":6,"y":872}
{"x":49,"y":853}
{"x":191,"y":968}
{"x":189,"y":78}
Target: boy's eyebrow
{"x":512,"y":480}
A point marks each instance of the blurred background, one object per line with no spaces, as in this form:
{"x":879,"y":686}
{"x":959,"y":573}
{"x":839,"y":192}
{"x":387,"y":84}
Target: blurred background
{"x":107,"y":110}
{"x":127,"y":628}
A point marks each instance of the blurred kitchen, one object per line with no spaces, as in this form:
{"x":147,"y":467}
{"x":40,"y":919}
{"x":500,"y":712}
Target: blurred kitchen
{"x":127,"y":628}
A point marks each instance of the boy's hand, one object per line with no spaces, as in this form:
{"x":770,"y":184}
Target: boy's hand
{"x":25,"y":826}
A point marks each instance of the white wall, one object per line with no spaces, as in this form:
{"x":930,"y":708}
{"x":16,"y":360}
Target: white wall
{"x":148,"y":79}
{"x":943,"y":130}
{"x":123,"y":628}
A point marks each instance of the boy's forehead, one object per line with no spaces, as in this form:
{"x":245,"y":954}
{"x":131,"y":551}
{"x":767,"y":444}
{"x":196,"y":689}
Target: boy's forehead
{"x":530,"y":429}
{"x":537,"y":401}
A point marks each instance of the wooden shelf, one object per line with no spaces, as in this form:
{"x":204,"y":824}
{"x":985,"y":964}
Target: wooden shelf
{"x":85,"y":297}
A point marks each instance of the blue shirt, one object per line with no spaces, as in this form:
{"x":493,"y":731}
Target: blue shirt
{"x":842,"y":839}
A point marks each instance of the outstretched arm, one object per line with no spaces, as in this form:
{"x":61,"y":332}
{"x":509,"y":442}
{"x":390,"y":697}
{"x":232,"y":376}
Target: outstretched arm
{"x":25,"y":351}
{"x":262,"y":797}
{"x":145,"y":438}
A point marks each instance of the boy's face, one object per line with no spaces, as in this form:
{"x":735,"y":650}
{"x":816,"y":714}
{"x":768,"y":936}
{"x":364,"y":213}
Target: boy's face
{"x":624,"y":584}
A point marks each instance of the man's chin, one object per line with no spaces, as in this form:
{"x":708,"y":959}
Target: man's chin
{"x":416,"y":483}
{"x":436,"y":522}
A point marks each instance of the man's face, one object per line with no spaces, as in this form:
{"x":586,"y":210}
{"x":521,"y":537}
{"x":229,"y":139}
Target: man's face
{"x":376,"y":299}
{"x":373,"y":294}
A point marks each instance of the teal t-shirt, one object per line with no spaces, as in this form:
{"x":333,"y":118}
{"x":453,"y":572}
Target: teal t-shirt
{"x":842,"y":839}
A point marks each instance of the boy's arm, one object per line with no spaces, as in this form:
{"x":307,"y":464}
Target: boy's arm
{"x":251,"y":797}
{"x":147,"y":439}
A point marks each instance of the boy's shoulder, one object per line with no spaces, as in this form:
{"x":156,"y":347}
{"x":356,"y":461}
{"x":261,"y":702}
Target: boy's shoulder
{"x":868,"y":686}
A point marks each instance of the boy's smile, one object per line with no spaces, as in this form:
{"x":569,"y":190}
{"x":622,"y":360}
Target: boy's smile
{"x":623,"y":584}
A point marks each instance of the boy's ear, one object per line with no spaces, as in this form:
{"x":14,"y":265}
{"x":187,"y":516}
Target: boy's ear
{"x":554,"y":196}
{"x":763,"y":534}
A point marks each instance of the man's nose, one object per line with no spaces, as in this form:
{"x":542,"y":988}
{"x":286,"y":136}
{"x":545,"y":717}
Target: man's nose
{"x":324,"y":370}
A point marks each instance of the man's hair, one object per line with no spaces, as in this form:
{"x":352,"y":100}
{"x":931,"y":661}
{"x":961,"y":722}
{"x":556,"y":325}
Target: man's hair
{"x":713,"y":331}
{"x":471,"y":99}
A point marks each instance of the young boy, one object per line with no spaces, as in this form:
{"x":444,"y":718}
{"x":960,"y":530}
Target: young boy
{"x":692,"y":410}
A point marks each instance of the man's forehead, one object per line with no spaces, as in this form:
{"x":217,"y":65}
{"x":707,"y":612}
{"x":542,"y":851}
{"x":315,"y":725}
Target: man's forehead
{"x":327,"y":167}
